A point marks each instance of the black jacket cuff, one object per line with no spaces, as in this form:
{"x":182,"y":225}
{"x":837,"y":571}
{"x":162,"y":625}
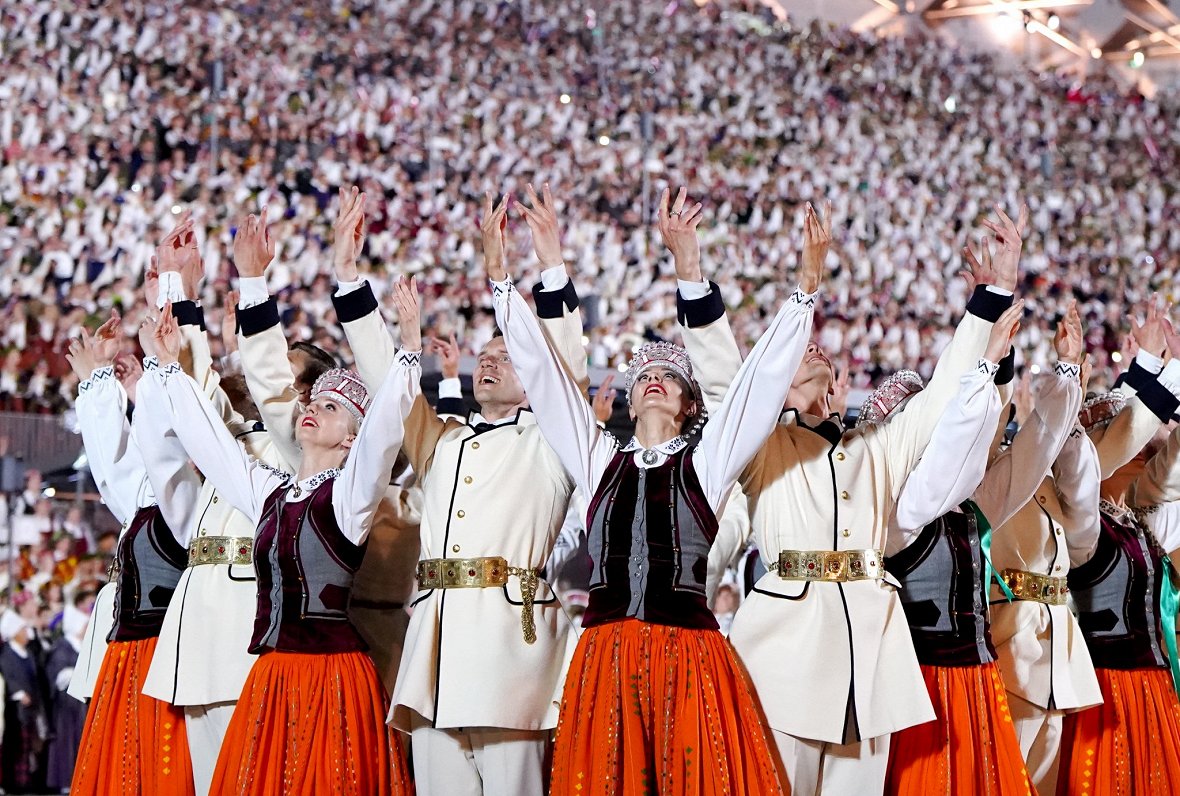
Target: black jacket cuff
{"x":187,"y":313}
{"x":257,"y":319}
{"x":1136,"y":377}
{"x":355,"y":305}
{"x":988,"y":305}
{"x":695,"y":313}
{"x":450,"y":406}
{"x":553,"y":303}
{"x":1158,"y":399}
{"x":1007,"y":370}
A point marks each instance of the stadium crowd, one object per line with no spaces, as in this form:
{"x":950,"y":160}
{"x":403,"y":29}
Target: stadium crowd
{"x":113,"y":117}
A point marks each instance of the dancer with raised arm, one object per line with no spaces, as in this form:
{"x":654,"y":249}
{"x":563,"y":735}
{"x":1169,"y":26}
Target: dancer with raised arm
{"x":311,"y":715}
{"x":655,"y":700}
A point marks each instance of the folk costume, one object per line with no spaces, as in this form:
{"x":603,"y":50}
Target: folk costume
{"x":310,"y":718}
{"x":833,"y":701}
{"x":488,"y":643}
{"x":151,"y":490}
{"x":1046,"y":665}
{"x":938,"y":551}
{"x":202,"y":659}
{"x":384,"y":584}
{"x":655,"y":700}
{"x":68,"y":715}
{"x":1126,"y":596}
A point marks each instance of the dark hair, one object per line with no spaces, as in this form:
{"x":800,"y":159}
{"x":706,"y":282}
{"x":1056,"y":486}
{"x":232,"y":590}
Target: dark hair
{"x":319,"y":362}
{"x":238,"y":393}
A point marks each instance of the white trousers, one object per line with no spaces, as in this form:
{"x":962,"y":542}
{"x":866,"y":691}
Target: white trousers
{"x":480,"y":761}
{"x":1039,"y":733}
{"x":206,"y":726}
{"x":815,"y":767}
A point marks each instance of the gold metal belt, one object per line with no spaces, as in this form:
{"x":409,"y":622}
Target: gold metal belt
{"x":482,"y":573}
{"x":221,"y":550}
{"x":1036,"y":588}
{"x":838,"y":566}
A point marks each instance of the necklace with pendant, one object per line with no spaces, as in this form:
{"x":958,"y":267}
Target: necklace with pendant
{"x":650,"y":457}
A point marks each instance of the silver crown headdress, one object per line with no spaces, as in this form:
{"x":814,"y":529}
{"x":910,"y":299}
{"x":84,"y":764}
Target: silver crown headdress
{"x":345,"y":388}
{"x":892,"y":393}
{"x":1101,"y":409}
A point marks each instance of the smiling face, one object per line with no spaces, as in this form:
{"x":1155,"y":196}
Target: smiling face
{"x":663,"y":390}
{"x":325,"y":424}
{"x":494,"y":380}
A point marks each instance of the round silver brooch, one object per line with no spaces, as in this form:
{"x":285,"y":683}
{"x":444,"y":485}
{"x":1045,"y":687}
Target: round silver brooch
{"x":650,"y":457}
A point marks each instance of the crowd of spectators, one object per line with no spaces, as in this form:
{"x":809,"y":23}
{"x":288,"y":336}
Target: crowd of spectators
{"x":116,"y":116}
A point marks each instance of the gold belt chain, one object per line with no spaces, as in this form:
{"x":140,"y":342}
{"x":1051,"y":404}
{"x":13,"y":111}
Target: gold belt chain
{"x":838,"y":566}
{"x":483,"y":573}
{"x":1036,"y":588}
{"x":221,"y":550}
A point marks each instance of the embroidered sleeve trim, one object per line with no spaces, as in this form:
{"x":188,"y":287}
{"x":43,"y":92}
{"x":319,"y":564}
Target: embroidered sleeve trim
{"x":987,"y":368}
{"x":170,"y":369}
{"x":1068,"y":369}
{"x":501,"y":290}
{"x":408,"y":359}
{"x":151,"y":363}
{"x":806,"y":300}
{"x":99,"y":374}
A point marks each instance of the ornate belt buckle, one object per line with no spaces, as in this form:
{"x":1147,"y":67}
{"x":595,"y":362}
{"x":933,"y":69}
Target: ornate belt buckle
{"x":856,"y":566}
{"x":834,"y":563}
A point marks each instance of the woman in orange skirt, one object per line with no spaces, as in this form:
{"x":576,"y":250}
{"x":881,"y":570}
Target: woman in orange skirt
{"x":937,"y":550}
{"x":1130,"y":744}
{"x":132,"y":744}
{"x":655,"y":700}
{"x":311,"y":717}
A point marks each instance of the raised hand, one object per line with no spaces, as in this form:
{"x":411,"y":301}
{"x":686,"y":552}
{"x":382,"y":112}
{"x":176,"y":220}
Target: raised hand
{"x":147,"y":336}
{"x":1003,"y":331}
{"x":1009,"y":238}
{"x":542,"y":221}
{"x":1023,"y":399}
{"x":979,"y":270}
{"x":167,"y":337}
{"x":229,"y":322}
{"x":107,"y":339}
{"x":1069,"y":340}
{"x":409,"y":317}
{"x":678,"y":229}
{"x":128,"y":370}
{"x":817,"y":241}
{"x":254,"y":249}
{"x":1087,"y":369}
{"x":447,"y":352}
{"x":1172,"y":339}
{"x":491,"y":228}
{"x":604,"y":399}
{"x":348,"y":234}
{"x":1150,"y":334}
{"x":151,"y":282}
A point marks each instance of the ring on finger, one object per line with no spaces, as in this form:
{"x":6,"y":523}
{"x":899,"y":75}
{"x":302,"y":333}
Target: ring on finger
{"x":675,"y":213}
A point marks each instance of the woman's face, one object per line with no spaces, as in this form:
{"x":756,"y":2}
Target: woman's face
{"x":326,"y":424}
{"x":660,"y":389}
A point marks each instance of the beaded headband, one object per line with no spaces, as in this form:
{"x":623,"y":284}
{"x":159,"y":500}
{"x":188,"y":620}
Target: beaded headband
{"x":892,"y":393}
{"x":1101,"y":409}
{"x":345,"y":388}
{"x":660,"y":355}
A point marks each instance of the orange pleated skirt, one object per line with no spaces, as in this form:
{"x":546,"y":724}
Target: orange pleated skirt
{"x":970,"y":747}
{"x":655,"y":709}
{"x":1128,"y":745}
{"x":311,"y":724}
{"x":132,"y":744}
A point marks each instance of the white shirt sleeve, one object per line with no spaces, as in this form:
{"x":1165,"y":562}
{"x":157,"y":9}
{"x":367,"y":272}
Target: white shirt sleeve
{"x":450,"y":388}
{"x":344,"y":288}
{"x":554,"y":279}
{"x":751,"y":408}
{"x":693,"y":290}
{"x":365,"y":476}
{"x":171,"y":289}
{"x":953,"y":464}
{"x":175,"y":484}
{"x":1164,"y":523}
{"x":252,"y":291}
{"x":565,"y":417}
{"x":1077,"y":476}
{"x":1016,"y":474}
{"x":114,"y":458}
{"x":239,"y":479}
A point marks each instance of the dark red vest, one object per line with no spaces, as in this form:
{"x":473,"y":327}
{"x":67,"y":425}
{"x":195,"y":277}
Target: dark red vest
{"x":305,"y":568}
